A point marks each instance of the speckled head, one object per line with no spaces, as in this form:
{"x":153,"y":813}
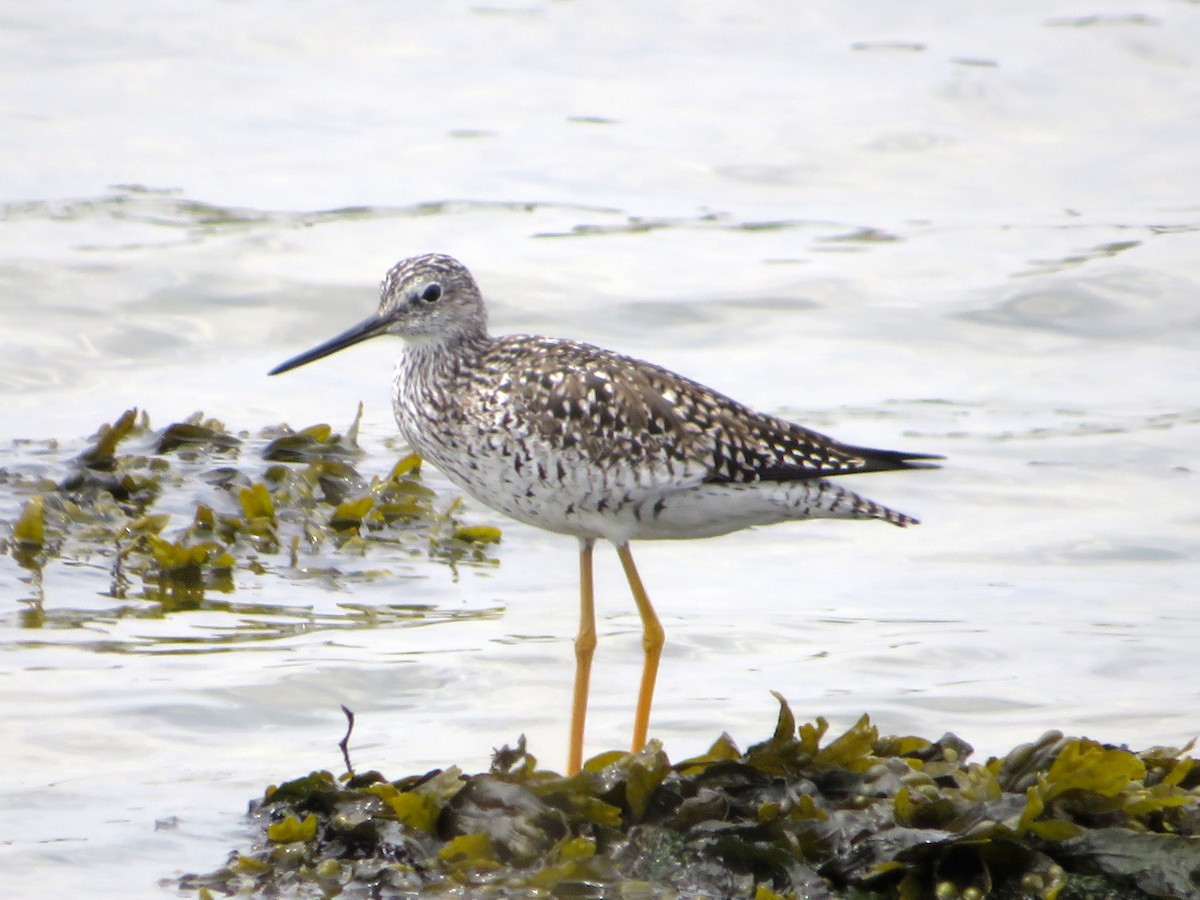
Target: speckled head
{"x":425,"y":299}
{"x":432,"y":297}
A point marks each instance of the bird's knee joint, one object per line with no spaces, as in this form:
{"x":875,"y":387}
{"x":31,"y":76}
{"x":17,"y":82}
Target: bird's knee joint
{"x":585,"y":643}
{"x":653,"y":640}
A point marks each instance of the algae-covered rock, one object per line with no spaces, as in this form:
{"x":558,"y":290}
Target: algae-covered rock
{"x":798,"y":815}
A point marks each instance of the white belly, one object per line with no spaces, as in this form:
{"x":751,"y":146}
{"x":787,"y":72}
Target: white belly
{"x":604,"y":505}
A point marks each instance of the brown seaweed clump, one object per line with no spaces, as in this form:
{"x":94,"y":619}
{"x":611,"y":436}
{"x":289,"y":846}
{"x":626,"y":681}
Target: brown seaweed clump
{"x":795,"y":816}
{"x":181,"y":515}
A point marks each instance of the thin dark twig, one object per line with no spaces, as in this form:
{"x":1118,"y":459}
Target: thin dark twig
{"x":344,"y":743}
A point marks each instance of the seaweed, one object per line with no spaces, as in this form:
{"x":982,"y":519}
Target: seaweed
{"x":861,"y":815}
{"x":190,"y":511}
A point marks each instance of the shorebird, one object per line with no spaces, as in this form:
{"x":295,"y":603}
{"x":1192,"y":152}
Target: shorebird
{"x":583,"y":441}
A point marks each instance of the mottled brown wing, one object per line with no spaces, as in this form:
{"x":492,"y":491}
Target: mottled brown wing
{"x":741,"y":445}
{"x":616,"y":410}
{"x":595,"y":405}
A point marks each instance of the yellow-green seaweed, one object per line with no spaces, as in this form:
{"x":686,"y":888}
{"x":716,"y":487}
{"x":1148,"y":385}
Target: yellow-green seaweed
{"x":799,"y":815}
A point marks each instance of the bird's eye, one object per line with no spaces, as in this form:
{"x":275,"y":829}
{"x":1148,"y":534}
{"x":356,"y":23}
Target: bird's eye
{"x":432,"y":293}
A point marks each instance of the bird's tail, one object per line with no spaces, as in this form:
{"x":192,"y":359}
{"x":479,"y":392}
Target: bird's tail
{"x":829,"y":500}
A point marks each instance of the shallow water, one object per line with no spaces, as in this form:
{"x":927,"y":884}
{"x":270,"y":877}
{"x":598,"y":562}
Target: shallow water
{"x":977,"y":235}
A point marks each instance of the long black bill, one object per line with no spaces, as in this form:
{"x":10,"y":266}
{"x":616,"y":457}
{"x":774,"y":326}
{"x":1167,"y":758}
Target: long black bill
{"x":367,"y":328}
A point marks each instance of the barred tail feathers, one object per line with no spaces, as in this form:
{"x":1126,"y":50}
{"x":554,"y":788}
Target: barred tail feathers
{"x":828,"y":500}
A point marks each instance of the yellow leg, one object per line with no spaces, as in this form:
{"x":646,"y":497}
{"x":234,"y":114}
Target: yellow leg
{"x":652,"y":644}
{"x":585,"y":646}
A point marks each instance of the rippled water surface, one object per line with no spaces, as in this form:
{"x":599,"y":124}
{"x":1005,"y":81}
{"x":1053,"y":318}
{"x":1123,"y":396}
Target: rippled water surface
{"x":975,"y":233}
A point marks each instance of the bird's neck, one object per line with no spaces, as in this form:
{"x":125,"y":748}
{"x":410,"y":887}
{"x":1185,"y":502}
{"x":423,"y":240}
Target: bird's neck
{"x":425,"y":349}
{"x":428,"y":361}
{"x":428,"y":374}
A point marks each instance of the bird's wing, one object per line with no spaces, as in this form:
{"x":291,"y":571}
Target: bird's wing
{"x":740,"y":445}
{"x":612,"y":410}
